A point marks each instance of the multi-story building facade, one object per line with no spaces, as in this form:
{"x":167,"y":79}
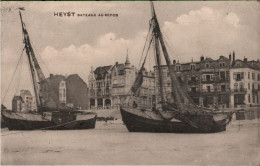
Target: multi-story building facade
{"x":210,"y":82}
{"x":23,"y":102}
{"x":245,"y":83}
{"x":28,"y":99}
{"x":109,"y":86}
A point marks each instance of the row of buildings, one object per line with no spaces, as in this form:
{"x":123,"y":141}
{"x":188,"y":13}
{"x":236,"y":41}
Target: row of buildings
{"x":226,"y":82}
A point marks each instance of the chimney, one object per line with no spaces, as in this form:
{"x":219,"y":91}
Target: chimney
{"x":234,"y":58}
{"x":51,"y":76}
{"x":202,"y":58}
{"x":230,"y":56}
{"x":245,"y":59}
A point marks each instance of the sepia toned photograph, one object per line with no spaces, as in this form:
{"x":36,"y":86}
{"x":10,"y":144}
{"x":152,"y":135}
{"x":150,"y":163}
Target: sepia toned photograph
{"x":130,"y":83}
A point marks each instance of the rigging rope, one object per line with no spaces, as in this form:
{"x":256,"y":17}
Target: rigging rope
{"x":20,"y":71}
{"x":143,"y":64}
{"x":145,"y":45}
{"x":176,"y":52}
{"x":38,"y":56}
{"x":13,"y":75}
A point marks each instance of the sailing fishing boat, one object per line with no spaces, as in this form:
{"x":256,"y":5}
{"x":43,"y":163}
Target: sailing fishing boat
{"x":45,"y":118}
{"x":179,"y":113}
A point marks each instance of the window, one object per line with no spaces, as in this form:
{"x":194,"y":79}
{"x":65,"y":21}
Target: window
{"x":179,"y":78}
{"x":253,"y":76}
{"x":258,"y":77}
{"x":248,"y":98}
{"x":248,"y":75}
{"x":253,"y":86}
{"x":241,"y":86}
{"x":238,"y":76}
{"x":207,"y":77}
{"x":222,"y":75}
{"x":121,"y":72}
{"x":248,"y":86}
{"x":223,"y":88}
{"x":62,"y":92}
{"x":227,"y":75}
{"x":222,"y":64}
{"x":193,"y":89}
{"x":192,"y":67}
{"x":236,"y":86}
{"x":208,"y":88}
{"x":178,"y":68}
{"x":207,"y":65}
{"x":193,"y":78}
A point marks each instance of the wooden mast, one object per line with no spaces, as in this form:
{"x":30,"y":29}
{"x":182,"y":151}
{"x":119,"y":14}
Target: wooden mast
{"x":157,"y":53}
{"x":177,"y":92}
{"x":33,"y":63}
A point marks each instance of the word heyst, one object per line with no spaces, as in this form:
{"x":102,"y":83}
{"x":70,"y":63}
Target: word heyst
{"x":74,"y":14}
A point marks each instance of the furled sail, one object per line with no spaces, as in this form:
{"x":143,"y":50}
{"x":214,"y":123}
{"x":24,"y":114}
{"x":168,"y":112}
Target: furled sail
{"x":139,"y":79}
{"x":138,"y":82}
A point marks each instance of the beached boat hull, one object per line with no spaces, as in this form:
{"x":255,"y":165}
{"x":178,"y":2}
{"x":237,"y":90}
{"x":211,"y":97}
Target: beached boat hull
{"x":50,"y":121}
{"x":148,"y":121}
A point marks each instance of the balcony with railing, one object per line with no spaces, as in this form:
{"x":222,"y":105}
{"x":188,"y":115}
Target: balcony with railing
{"x":193,"y":82}
{"x":208,"y":91}
{"x":207,"y":81}
{"x":239,"y":90}
{"x":221,"y":79}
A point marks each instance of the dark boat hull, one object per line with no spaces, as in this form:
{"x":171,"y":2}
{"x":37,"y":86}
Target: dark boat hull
{"x":24,"y":124}
{"x":137,"y":123}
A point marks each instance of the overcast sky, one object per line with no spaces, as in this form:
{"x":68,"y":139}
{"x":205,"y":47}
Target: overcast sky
{"x":68,"y":45}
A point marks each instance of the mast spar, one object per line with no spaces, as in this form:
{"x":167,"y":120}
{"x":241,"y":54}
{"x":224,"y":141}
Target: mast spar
{"x":35,"y":68}
{"x":179,"y":95}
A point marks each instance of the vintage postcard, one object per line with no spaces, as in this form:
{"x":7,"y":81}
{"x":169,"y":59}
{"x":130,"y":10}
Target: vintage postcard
{"x":130,"y":83}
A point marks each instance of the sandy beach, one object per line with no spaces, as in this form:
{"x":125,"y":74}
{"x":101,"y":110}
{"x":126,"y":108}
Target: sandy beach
{"x":112,"y":144}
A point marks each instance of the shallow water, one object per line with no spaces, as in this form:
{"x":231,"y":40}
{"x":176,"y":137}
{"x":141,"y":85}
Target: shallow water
{"x":112,"y":144}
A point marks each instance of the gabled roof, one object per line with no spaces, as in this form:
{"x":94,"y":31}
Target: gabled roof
{"x":120,"y":66}
{"x":208,"y":59}
{"x":240,"y":64}
{"x":75,"y":77}
{"x":223,"y":58}
{"x":25,"y":92}
{"x":102,"y":69}
{"x":254,"y":64}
